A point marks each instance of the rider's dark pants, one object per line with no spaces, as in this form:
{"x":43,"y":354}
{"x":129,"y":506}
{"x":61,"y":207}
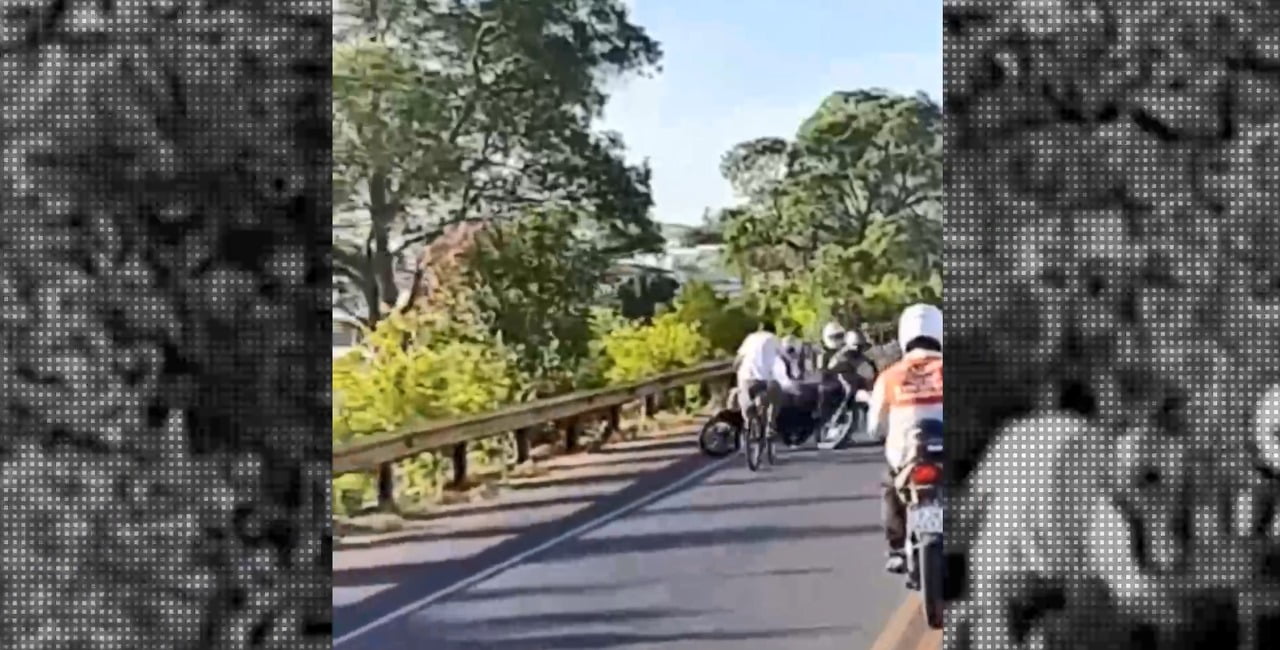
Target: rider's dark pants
{"x":893,"y":512}
{"x":831,"y":393}
{"x":791,"y":406}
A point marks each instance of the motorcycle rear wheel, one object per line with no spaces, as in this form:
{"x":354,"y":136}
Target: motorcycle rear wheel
{"x":718,"y":438}
{"x":932,"y":562}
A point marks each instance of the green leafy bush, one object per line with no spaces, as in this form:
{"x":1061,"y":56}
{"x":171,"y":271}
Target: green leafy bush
{"x":724,"y":323}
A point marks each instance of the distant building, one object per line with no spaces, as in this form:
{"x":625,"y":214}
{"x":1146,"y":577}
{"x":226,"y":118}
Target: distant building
{"x":692,"y":263}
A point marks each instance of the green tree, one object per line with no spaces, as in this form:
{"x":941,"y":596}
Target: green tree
{"x":453,"y":111}
{"x":723,"y":322}
{"x":848,"y":214}
{"x":535,"y":279}
{"x":644,"y":292}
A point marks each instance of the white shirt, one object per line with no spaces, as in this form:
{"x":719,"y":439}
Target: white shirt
{"x":782,"y":374}
{"x":757,"y":356}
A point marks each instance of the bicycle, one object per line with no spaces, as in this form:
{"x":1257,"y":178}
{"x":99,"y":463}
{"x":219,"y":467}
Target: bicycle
{"x":759,"y":442}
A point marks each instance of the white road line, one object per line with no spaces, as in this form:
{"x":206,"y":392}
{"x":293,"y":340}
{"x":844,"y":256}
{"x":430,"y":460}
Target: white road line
{"x":520,"y":557}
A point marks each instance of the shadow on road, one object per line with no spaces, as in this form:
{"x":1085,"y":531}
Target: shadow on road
{"x":711,"y":508}
{"x":590,"y":640}
{"x":443,"y":534}
{"x":576,"y":481}
{"x":814,"y":457}
{"x":551,"y":591}
{"x":412,"y":579}
{"x":653,"y":542}
{"x":541,"y":620}
{"x":503,"y":506}
{"x":649,"y":542}
{"x":751,"y":480}
{"x":622,"y":462}
{"x":683,"y":443}
{"x":384,"y":573}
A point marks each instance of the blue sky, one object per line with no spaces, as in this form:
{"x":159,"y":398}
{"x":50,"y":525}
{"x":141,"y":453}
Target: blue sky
{"x":740,"y":69}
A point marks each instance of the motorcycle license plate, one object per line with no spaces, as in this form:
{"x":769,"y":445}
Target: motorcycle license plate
{"x":925,"y":519}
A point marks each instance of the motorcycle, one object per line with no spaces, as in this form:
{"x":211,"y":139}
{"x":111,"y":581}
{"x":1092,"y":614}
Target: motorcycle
{"x":850,"y":419}
{"x":721,"y":434}
{"x":919,"y":484}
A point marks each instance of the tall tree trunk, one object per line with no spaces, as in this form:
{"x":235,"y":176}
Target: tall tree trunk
{"x":382,"y":213}
{"x":373,"y":314}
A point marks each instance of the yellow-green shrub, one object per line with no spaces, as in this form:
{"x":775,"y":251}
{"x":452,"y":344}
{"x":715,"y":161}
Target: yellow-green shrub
{"x":592,"y":371}
{"x":404,"y":373}
{"x":636,"y":351}
{"x":803,"y":313}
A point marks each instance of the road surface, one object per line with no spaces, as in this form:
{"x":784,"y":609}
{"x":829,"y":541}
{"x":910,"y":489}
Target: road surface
{"x":696,"y":554}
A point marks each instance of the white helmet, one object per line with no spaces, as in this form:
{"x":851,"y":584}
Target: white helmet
{"x":832,"y":335}
{"x":854,"y":339}
{"x":917,"y":321}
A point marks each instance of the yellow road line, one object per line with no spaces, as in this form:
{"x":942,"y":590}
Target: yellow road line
{"x":899,"y":623}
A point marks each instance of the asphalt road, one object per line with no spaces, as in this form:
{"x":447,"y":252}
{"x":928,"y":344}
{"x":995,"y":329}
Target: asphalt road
{"x":789,"y":558}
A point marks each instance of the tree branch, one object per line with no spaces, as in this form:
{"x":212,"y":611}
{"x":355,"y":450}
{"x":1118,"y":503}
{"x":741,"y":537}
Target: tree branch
{"x":424,"y":236}
{"x":349,"y":261}
{"x":473,"y":100}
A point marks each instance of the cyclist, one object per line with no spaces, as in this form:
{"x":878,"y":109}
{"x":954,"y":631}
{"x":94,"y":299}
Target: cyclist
{"x":754,"y":366}
{"x":906,"y":392}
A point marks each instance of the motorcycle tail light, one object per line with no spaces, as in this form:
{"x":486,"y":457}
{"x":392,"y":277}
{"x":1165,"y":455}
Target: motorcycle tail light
{"x":925,"y":474}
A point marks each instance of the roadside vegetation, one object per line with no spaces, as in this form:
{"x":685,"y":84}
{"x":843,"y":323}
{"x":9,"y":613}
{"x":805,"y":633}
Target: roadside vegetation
{"x":480,"y":220}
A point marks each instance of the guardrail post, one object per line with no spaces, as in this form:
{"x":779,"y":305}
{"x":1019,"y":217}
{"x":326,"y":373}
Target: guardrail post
{"x":460,"y":464}
{"x":572,"y":434}
{"x":522,"y":446}
{"x":714,"y":392}
{"x":650,"y":405}
{"x":674,"y":398}
{"x":613,"y":424}
{"x":386,"y":488}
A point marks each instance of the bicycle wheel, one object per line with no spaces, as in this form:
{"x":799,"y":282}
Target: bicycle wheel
{"x":768,"y":437}
{"x":755,"y":441}
{"x":770,"y":449}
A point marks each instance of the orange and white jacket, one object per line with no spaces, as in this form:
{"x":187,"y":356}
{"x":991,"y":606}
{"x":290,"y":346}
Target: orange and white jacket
{"x":908,"y":391}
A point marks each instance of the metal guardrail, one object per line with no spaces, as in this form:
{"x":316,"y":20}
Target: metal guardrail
{"x":378,"y":452}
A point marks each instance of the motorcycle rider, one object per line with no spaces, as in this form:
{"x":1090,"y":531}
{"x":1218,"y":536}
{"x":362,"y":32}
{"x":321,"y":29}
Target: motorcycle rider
{"x":833,"y":334}
{"x":906,"y":392}
{"x":847,"y":371}
{"x":856,"y":346}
